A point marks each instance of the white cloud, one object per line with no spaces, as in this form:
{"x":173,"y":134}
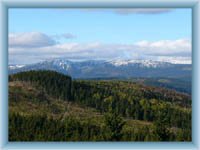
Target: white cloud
{"x":127,"y":11}
{"x":65,"y":36}
{"x":166,"y":47}
{"x":31,"y":51}
{"x":68,"y":36}
{"x":142,"y":11}
{"x":30,"y":39}
{"x":174,"y":59}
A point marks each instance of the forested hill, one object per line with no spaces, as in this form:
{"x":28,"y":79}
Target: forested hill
{"x":61,"y":86}
{"x":164,"y":114}
{"x":55,"y":84}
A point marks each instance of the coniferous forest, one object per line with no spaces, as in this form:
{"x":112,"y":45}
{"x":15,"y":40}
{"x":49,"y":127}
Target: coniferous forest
{"x":49,"y":106}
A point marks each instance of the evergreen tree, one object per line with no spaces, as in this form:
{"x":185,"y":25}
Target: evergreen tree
{"x":160,"y":127}
{"x":115,"y":124}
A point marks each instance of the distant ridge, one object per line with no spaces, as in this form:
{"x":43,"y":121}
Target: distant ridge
{"x":107,"y":69}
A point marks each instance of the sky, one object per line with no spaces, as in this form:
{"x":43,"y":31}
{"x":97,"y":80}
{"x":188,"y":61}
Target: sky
{"x":99,"y":34}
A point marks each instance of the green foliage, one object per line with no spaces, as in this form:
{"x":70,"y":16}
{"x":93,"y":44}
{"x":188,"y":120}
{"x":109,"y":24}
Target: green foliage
{"x":181,"y":84}
{"x":35,"y":128}
{"x":115,"y":124}
{"x":160,"y":128}
{"x":133,"y":101}
{"x":94,"y":110}
{"x":55,"y":84}
{"x":42,"y":128}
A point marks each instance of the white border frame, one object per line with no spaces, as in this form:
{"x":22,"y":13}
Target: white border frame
{"x":194,"y":4}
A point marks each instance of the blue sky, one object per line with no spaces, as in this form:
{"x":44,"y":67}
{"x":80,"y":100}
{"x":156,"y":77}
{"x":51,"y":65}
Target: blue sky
{"x":133,"y":33}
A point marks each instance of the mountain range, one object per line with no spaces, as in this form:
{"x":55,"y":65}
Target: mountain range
{"x":108,"y":69}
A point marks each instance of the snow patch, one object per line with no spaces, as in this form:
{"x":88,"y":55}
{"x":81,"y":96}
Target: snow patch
{"x":15,"y":66}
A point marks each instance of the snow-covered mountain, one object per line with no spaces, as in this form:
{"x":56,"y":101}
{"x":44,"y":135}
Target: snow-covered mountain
{"x":141,"y":63}
{"x":108,"y":69}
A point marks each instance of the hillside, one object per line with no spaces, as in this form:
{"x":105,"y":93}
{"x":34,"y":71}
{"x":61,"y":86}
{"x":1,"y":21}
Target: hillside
{"x":78,"y":110}
{"x":180,"y":84}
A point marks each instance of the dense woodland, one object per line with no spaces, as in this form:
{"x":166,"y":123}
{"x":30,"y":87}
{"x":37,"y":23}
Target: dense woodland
{"x":49,"y":106}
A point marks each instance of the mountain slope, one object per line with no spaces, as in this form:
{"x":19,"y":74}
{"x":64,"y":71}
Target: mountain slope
{"x":107,"y":69}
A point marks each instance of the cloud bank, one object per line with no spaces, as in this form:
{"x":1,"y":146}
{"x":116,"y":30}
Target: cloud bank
{"x":34,"y":47}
